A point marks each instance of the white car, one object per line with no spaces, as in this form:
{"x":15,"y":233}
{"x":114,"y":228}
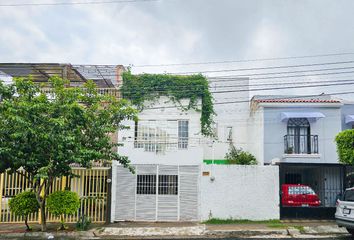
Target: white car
{"x":345,"y":211}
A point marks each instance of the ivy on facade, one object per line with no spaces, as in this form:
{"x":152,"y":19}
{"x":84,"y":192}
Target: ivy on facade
{"x":149,"y":87}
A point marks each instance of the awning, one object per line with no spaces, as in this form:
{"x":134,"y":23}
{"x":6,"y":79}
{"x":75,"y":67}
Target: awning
{"x":311,"y":116}
{"x":349,"y":119}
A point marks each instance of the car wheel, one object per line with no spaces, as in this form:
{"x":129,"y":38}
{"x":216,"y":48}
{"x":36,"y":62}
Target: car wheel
{"x":351,"y":231}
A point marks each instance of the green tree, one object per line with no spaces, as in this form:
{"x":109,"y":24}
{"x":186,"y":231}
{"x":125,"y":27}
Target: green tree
{"x":24,"y":204}
{"x":238,"y":156}
{"x":63,"y":203}
{"x":345,"y":146}
{"x":46,"y":134}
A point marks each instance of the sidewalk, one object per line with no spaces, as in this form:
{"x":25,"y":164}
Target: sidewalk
{"x":180,"y":230}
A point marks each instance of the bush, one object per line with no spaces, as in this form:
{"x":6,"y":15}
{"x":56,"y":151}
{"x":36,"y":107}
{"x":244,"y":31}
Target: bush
{"x":83,"y":223}
{"x":345,"y":146}
{"x":63,"y":203}
{"x":24,"y":204}
{"x":238,"y":156}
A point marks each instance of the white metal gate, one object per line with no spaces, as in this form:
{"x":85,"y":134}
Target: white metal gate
{"x":157,"y":193}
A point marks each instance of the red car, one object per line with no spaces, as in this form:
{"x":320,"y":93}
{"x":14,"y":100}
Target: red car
{"x":299,"y":195}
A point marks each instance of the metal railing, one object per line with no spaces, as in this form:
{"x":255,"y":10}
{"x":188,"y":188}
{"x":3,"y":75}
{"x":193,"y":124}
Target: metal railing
{"x":301,"y":144}
{"x":104,"y":91}
{"x":162,"y":145}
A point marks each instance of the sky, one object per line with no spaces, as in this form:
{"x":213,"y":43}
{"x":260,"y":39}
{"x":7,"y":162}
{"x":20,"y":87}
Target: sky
{"x":184,"y":31}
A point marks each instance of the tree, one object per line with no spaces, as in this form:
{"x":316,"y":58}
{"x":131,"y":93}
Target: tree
{"x":238,"y":156}
{"x":63,"y":203}
{"x":345,"y":146}
{"x":24,"y":204}
{"x":46,"y":134}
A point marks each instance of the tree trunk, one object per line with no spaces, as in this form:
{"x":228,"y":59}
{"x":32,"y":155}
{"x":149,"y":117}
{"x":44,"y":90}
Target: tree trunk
{"x":43,"y":217}
{"x":26,"y":223}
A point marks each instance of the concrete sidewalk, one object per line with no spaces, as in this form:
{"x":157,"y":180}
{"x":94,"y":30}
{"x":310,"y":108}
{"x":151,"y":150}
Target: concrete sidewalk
{"x":168,"y":230}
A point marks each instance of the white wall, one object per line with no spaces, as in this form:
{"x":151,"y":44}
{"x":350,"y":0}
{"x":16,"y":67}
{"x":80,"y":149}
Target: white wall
{"x":240,"y":192}
{"x":161,"y":110}
{"x":234,"y":114}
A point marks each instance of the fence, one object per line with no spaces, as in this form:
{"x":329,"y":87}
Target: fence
{"x":90,"y":185}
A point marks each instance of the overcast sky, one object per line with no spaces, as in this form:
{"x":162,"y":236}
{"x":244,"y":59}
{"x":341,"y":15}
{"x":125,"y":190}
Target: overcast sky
{"x":180,"y":31}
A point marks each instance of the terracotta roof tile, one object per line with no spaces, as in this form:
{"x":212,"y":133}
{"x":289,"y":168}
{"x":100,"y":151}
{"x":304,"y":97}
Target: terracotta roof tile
{"x":297,"y":100}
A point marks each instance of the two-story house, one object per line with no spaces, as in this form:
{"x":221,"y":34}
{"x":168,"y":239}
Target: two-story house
{"x":164,"y":148}
{"x":297,"y":133}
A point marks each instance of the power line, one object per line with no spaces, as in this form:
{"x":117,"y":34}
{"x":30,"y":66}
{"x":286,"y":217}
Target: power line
{"x":277,"y":77}
{"x":278,"y":73}
{"x":73,"y":3}
{"x":264,"y":68}
{"x":244,"y":60}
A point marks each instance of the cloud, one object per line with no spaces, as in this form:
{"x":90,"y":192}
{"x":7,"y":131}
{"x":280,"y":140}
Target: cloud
{"x":170,"y":31}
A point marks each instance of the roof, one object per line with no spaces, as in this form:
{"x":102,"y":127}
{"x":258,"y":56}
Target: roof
{"x":294,"y":99}
{"x":102,"y":75}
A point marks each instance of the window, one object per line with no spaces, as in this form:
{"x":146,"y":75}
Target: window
{"x":349,"y":196}
{"x":183,"y":134}
{"x":146,"y":184}
{"x":168,"y":184}
{"x":298,"y":138}
{"x":229,"y":134}
{"x":300,"y":190}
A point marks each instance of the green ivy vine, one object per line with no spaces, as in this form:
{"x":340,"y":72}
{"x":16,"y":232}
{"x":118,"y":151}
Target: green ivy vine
{"x":149,"y":87}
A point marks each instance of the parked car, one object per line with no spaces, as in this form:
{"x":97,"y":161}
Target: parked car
{"x":345,"y":211}
{"x":299,"y":195}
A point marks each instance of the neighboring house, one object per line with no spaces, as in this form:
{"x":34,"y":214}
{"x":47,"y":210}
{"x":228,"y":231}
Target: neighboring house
{"x":297,"y":133}
{"x":295,"y":129}
{"x":92,"y":185}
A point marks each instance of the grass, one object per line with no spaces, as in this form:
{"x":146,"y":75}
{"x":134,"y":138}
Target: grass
{"x":241,"y":221}
{"x":300,"y":228}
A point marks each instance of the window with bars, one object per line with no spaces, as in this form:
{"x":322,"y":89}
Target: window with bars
{"x":159,"y":136}
{"x":167,"y":184}
{"x":146,"y":184}
{"x":183,"y":134}
{"x":229,"y":134}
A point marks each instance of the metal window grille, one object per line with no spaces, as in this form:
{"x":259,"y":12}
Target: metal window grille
{"x":183,"y":134}
{"x":229,"y":134}
{"x":168,"y":184}
{"x":146,"y":184}
{"x":160,"y":136}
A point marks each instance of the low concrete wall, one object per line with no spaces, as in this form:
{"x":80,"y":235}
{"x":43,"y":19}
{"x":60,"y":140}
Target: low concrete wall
{"x":239,"y":192}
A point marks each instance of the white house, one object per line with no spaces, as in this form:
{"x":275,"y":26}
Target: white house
{"x":164,"y":146}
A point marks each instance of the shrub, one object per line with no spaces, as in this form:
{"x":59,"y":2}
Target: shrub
{"x":63,"y":203}
{"x":238,"y":156}
{"x":345,"y":146}
{"x":24,"y":204}
{"x":83,"y":223}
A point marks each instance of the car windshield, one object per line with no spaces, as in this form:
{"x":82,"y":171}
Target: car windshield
{"x":349,"y":196}
{"x":300,"y":190}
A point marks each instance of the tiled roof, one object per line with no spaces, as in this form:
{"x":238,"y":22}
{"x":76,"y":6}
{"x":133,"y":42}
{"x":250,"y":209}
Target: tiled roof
{"x":294,"y":99}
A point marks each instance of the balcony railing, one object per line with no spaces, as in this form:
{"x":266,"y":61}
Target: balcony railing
{"x":162,"y":145}
{"x":104,"y":91}
{"x":301,"y":144}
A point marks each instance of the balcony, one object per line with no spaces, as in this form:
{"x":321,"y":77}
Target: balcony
{"x":104,"y":91}
{"x":301,"y":144}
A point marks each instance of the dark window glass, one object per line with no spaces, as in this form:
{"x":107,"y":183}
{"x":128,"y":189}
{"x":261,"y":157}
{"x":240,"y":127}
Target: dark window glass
{"x":168,"y":184}
{"x":349,"y":196}
{"x":146,"y":184}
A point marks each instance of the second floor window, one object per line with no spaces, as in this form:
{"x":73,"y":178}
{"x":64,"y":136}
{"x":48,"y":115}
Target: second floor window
{"x":299,"y":139}
{"x":159,"y":136}
{"x":183,"y":134}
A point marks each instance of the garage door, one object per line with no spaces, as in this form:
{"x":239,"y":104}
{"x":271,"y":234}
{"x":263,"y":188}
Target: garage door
{"x":157,"y":193}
